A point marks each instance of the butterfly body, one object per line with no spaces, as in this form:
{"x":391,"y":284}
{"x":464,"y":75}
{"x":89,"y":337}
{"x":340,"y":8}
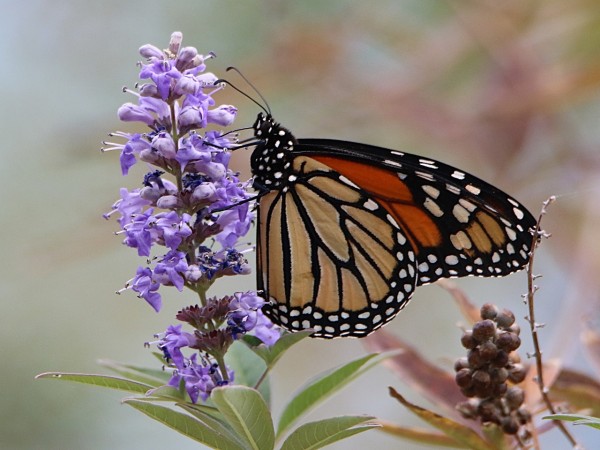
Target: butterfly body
{"x":347,"y":231}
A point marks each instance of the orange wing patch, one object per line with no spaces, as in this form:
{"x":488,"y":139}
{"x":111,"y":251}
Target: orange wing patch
{"x":393,"y":195}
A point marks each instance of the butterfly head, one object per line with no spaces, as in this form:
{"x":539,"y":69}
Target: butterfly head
{"x":271,"y":159}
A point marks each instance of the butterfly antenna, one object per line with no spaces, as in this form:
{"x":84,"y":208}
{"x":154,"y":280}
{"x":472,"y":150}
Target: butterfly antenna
{"x":221,"y":80}
{"x":268,"y":108}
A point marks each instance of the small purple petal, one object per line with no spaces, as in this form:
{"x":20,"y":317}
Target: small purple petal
{"x":163,"y":143}
{"x":168,"y":271}
{"x":146,"y":287}
{"x":150,"y":51}
{"x":135,"y":113}
{"x":224,"y":115}
{"x":141,"y":232}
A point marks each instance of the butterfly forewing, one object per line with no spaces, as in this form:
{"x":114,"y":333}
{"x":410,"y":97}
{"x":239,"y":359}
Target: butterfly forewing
{"x":457,"y":224}
{"x":352,"y":268}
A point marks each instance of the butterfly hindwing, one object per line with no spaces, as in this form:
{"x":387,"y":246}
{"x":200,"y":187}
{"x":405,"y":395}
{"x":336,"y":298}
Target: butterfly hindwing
{"x":348,"y":267}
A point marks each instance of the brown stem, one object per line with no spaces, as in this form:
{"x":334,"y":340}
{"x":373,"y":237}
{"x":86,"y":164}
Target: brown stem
{"x":531,"y":289}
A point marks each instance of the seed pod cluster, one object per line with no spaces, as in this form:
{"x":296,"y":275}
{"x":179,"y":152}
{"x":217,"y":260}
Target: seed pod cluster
{"x":489,"y":373}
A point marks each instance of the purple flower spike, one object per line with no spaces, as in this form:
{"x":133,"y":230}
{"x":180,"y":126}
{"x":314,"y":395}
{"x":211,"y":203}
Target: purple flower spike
{"x":189,"y":195}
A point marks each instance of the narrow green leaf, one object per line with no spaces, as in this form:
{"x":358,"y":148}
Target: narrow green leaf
{"x":209,"y":416}
{"x":167,"y":393}
{"x":322,"y":387}
{"x":189,"y":426}
{"x":271,"y":355}
{"x":154,"y":377}
{"x":202,"y":409}
{"x":106,"y":381}
{"x":314,"y":435}
{"x":247,"y":413}
{"x":577,"y":419}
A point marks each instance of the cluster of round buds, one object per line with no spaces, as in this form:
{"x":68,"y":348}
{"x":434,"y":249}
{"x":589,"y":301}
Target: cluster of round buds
{"x":491,"y":370}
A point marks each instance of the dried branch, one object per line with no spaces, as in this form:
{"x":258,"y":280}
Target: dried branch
{"x":538,"y":233}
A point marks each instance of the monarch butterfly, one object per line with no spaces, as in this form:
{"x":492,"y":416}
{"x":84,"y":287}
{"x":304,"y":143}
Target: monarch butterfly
{"x":347,"y":231}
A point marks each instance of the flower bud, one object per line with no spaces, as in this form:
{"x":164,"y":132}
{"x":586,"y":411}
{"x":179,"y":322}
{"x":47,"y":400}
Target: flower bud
{"x":484,"y":330}
{"x":461,"y":363}
{"x":129,"y":112}
{"x":223,"y":115}
{"x":185,"y":56}
{"x":150,"y":51}
{"x":463,"y":378}
{"x":488,"y":350}
{"x":509,"y":425}
{"x":505,"y":318}
{"x":501,"y":359}
{"x":203,"y":192}
{"x":467,"y":340}
{"x":149,"y":156}
{"x":517,"y":373}
{"x":148,"y":90}
{"x":514,"y":397}
{"x":187,"y":84}
{"x":489,"y":311}
{"x":163,"y":143}
{"x":488,"y":412}
{"x":168,"y":202}
{"x":508,"y":341}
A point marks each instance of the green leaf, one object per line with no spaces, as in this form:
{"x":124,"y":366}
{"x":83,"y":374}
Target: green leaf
{"x":154,"y":377}
{"x":248,"y":368}
{"x":106,"y":381}
{"x":318,"y":434}
{"x":202,"y":410}
{"x":209,"y":416}
{"x":167,"y":393}
{"x":246,"y":412}
{"x":577,"y":419}
{"x":271,"y":355}
{"x":319,"y":389}
{"x":200,"y":431}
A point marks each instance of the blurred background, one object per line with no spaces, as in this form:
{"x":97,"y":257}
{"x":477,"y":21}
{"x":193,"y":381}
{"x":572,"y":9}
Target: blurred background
{"x":506,"y":90}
